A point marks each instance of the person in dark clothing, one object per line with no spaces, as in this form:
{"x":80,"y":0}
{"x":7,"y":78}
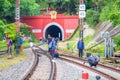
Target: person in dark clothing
{"x":92,"y":59}
{"x":49,"y":40}
{"x":53,"y":48}
{"x":21,"y":42}
{"x":9,"y":45}
{"x":80,"y":46}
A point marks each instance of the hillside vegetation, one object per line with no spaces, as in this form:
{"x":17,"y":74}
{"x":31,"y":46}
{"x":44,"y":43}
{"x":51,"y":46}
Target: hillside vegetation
{"x":97,"y":11}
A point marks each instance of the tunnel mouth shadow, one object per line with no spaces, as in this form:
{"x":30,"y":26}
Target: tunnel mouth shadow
{"x":54,"y":31}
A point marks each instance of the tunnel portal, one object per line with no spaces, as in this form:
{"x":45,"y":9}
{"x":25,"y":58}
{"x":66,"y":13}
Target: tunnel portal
{"x":54,"y":31}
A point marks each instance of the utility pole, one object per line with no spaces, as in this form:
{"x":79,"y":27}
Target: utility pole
{"x":17,"y":20}
{"x":82,"y":15}
{"x":17,"y":15}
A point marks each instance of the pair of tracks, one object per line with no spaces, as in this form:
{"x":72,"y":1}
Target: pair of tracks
{"x":38,"y":52}
{"x":3,"y":52}
{"x":112,"y":74}
{"x":74,"y":60}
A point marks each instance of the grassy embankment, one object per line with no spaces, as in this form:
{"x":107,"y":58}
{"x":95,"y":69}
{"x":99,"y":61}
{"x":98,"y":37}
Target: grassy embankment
{"x":72,"y":41}
{"x":8,"y":59}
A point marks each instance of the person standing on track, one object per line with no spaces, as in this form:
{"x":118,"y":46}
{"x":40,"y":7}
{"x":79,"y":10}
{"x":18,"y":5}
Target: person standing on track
{"x":80,"y":46}
{"x":9,"y":45}
{"x":53,"y":48}
{"x":49,"y":40}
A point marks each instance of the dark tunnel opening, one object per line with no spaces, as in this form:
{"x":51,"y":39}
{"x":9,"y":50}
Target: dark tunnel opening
{"x":54,"y":31}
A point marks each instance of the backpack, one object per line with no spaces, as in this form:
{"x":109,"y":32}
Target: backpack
{"x":96,"y":59}
{"x":10,"y":43}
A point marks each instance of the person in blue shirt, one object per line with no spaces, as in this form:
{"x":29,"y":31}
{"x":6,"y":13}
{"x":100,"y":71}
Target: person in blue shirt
{"x":49,"y":40}
{"x":53,"y":47}
{"x":21,"y":42}
{"x":80,"y":46}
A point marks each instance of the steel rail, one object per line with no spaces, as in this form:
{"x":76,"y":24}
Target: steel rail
{"x":89,"y":68}
{"x":53,"y":64}
{"x":34,"y":65}
{"x":100,"y":64}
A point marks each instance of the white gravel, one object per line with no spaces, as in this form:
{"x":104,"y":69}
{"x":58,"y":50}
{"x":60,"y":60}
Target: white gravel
{"x":17,"y":71}
{"x":67,"y":71}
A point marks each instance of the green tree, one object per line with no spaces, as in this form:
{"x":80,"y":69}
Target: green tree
{"x":7,"y":10}
{"x":29,"y":7}
{"x":104,"y":16}
{"x":115,"y":13}
{"x":92,"y":17}
{"x":117,"y":42}
{"x":2,"y":28}
{"x":111,"y":12}
{"x":10,"y":30}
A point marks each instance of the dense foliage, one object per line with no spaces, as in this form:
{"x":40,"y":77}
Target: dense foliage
{"x":111,"y":12}
{"x":117,"y":42}
{"x":96,"y":10}
{"x":68,"y":7}
{"x":92,"y":17}
{"x":100,"y":10}
{"x":7,"y":15}
{"x":7,"y":10}
{"x":2,"y":26}
{"x":29,"y":7}
{"x":7,"y":29}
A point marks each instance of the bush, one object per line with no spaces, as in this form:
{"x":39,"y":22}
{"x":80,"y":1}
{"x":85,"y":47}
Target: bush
{"x":92,"y":17}
{"x":117,"y":42}
{"x":24,"y":30}
{"x":111,"y":12}
{"x":115,"y":18}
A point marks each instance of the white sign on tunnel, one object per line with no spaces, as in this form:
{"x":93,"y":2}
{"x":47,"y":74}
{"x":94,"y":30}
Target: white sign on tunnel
{"x":69,"y":30}
{"x":36,"y":30}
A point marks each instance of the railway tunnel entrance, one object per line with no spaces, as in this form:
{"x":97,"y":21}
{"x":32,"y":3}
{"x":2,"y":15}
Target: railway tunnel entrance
{"x":55,"y":30}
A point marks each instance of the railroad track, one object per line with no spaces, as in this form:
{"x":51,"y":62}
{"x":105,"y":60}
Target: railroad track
{"x":79,"y":62}
{"x":37,"y":70}
{"x":105,"y":71}
{"x":3,"y":52}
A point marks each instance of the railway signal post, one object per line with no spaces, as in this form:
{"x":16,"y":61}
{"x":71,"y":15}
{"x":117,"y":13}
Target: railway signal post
{"x":82,"y":15}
